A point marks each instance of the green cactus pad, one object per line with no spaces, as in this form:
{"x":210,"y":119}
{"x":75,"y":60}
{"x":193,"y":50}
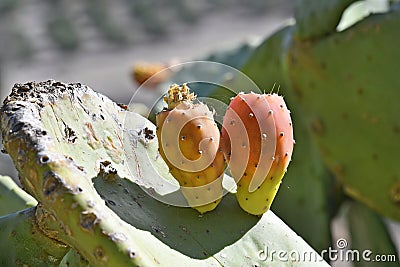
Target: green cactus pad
{"x":12,"y":197}
{"x":22,"y":242}
{"x":347,"y":84}
{"x":315,"y":19}
{"x":68,"y":145}
{"x":73,"y":258}
{"x":367,"y":231}
{"x":22,"y":230}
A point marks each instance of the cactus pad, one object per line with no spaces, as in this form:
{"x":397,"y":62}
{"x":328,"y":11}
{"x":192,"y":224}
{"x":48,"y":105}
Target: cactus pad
{"x":12,"y":197}
{"x":68,"y":145}
{"x":350,"y":104}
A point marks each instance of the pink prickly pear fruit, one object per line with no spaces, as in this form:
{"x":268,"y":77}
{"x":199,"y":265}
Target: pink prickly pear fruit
{"x":257,"y":141}
{"x":188,"y":139}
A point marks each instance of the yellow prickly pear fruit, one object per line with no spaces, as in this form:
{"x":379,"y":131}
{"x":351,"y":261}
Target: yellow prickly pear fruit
{"x":188,"y":139}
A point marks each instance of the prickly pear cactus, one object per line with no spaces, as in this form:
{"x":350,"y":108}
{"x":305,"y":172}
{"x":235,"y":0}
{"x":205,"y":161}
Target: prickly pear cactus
{"x":277,"y":63}
{"x":347,"y":84}
{"x":97,"y":189}
{"x":333,"y":79}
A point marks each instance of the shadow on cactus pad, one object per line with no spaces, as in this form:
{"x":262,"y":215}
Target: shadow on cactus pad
{"x":76,"y":156}
{"x":180,"y":228}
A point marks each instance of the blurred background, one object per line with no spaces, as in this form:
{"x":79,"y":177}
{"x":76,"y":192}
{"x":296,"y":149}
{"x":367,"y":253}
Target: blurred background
{"x":98,"y":43}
